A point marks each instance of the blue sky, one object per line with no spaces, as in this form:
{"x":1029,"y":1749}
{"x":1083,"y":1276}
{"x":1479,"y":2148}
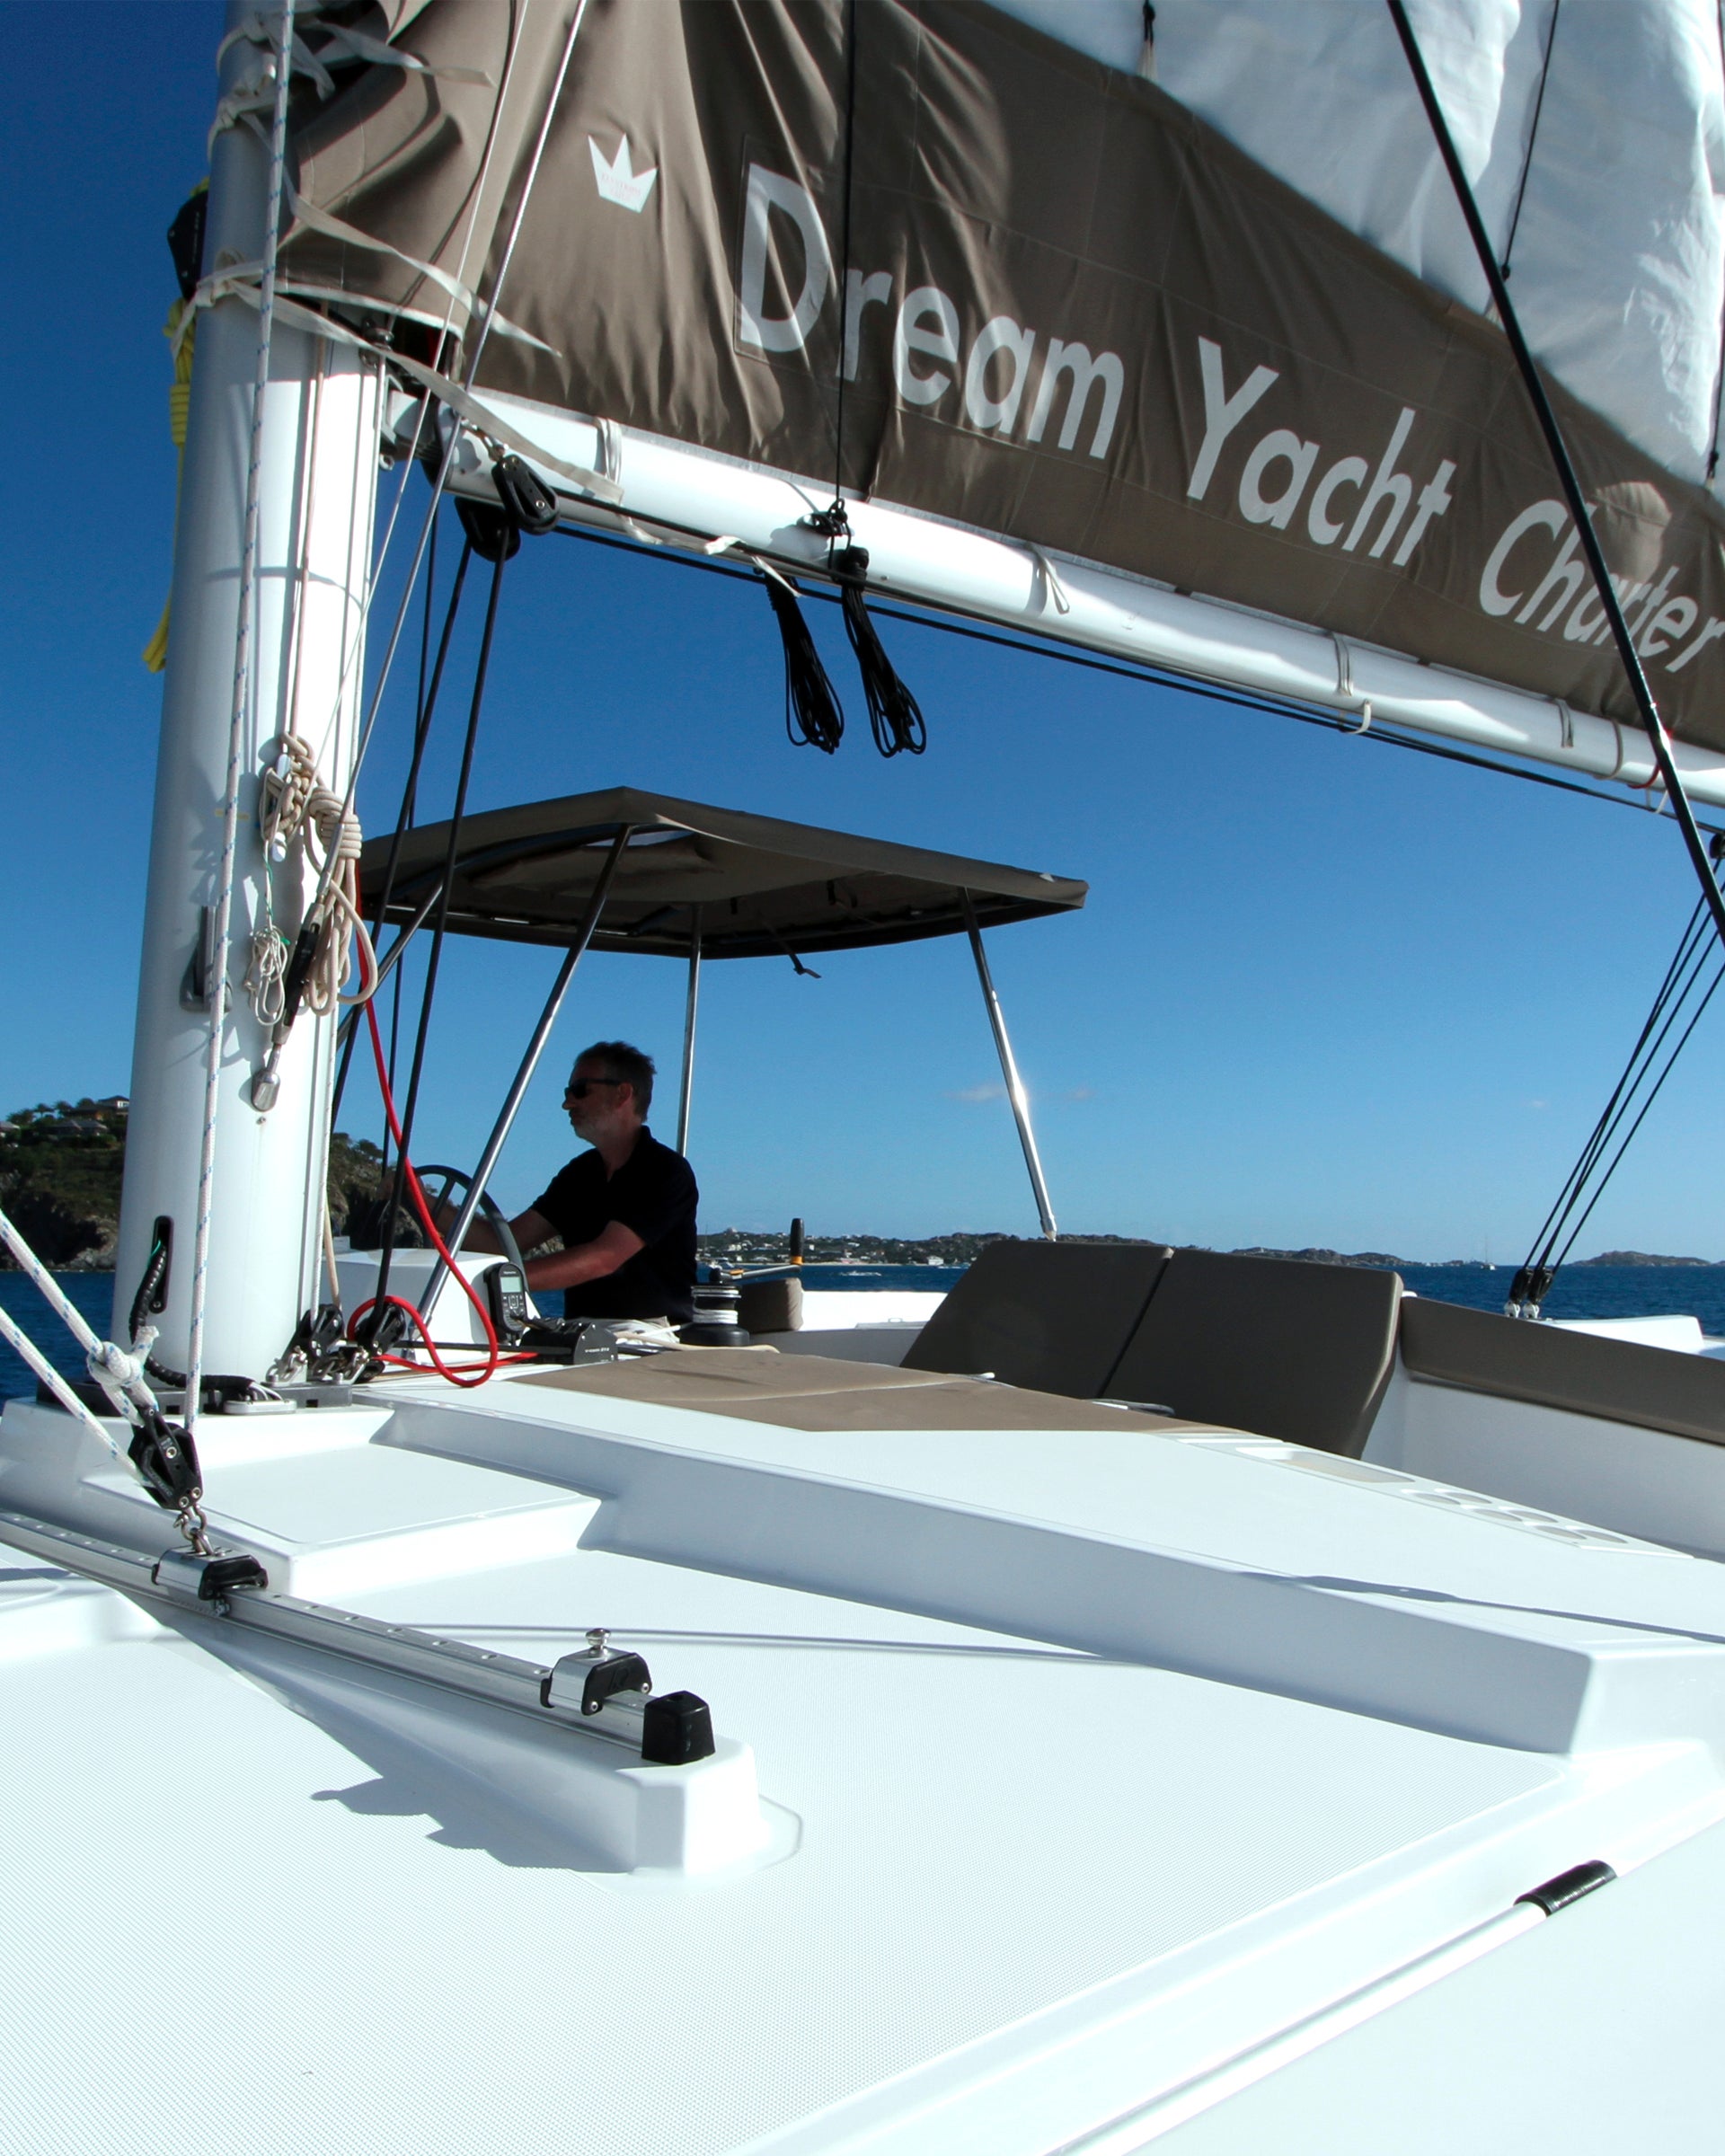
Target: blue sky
{"x":1323,"y":993}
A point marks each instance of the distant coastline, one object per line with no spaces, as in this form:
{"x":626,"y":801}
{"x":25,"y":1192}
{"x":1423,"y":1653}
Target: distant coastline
{"x":61,"y":1163}
{"x":760,"y":1247}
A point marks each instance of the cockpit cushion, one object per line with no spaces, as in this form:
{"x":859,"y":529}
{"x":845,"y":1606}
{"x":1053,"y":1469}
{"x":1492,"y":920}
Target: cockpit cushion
{"x":1053,"y":1316}
{"x":1278,"y":1346}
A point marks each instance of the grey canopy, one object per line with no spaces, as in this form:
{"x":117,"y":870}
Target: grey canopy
{"x":748,"y":887}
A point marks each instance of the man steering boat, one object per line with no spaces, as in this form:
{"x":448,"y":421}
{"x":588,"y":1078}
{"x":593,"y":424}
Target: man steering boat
{"x":624,"y":1210}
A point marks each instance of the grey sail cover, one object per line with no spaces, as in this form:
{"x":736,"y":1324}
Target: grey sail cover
{"x":1080,"y":315}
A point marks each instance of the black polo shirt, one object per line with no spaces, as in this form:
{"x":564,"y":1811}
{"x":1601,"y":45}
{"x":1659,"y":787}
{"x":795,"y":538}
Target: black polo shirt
{"x":654,"y":1194}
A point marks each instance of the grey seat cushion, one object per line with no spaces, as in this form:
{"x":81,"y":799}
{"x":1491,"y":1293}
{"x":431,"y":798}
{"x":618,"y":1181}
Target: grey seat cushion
{"x":1620,"y":1380}
{"x":1274,"y":1345}
{"x":1054,"y":1316}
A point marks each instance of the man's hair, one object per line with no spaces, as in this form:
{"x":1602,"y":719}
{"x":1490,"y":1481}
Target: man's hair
{"x":619,"y":1060}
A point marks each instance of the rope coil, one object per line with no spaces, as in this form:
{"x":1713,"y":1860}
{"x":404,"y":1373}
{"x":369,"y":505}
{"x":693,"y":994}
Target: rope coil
{"x":296,"y":807}
{"x":895,"y":716}
{"x":813,"y":715}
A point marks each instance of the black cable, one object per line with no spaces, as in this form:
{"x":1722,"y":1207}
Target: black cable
{"x":429,"y":994}
{"x":1580,"y":515}
{"x":1599,"y":1137}
{"x":1568,"y":1216}
{"x":410,"y":795}
{"x":837,"y":511}
{"x":813,"y":716}
{"x":1671,"y":1065}
{"x":1533,"y":137}
{"x":895,"y":716}
{"x":404,"y":818}
{"x":1146,"y":675}
{"x":1719,"y":371}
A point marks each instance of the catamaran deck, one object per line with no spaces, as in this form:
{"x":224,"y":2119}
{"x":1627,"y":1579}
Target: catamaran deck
{"x":1089,"y":1759}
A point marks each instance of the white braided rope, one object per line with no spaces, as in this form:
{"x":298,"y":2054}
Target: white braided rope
{"x":296,"y":808}
{"x":27,"y":1351}
{"x":120,"y":1374}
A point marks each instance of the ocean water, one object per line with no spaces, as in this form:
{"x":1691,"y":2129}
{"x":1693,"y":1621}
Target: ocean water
{"x":22,"y":1301}
{"x":1583,"y":1291}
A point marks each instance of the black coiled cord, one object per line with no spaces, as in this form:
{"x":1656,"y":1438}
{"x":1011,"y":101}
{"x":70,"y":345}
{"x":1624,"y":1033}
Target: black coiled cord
{"x":894,"y":713}
{"x":813,"y":716}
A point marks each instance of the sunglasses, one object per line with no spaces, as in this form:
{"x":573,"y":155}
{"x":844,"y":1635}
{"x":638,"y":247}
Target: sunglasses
{"x":577,"y":1089}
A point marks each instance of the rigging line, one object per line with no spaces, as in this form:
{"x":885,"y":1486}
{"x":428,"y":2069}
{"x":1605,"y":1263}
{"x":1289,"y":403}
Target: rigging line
{"x":425,"y":649}
{"x":405,"y":1136}
{"x":391,"y":960}
{"x":1656,"y":1047}
{"x":410,"y":791}
{"x":488,"y":317}
{"x":357,"y":645}
{"x":1551,"y":1227}
{"x":1147,"y":676}
{"x":845,"y":267}
{"x":1633,"y":1077}
{"x":1670,"y":1065}
{"x":1718,"y":375}
{"x":1579,"y":513}
{"x":1533,"y":135}
{"x":409,"y":801}
{"x":1534,"y":1280}
{"x":241,"y":703}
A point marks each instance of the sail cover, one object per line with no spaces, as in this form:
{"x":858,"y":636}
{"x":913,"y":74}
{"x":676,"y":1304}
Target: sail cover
{"x":930,"y":252}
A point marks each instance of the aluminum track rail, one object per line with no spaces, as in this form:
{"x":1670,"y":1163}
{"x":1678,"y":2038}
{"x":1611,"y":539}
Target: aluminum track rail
{"x":452,"y":1665}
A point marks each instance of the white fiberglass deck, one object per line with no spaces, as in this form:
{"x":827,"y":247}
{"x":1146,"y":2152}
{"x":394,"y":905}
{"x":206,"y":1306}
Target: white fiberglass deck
{"x":1022,"y":1875}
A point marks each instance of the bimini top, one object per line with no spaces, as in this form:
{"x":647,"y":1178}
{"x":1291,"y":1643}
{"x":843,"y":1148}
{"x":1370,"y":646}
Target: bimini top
{"x":755,"y":887}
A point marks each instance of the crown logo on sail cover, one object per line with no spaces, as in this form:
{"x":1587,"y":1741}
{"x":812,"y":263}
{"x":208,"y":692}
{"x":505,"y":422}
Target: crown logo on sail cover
{"x":618,"y":181}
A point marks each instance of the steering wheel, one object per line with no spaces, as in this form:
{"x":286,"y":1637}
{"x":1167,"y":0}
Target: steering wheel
{"x":495,"y":1216}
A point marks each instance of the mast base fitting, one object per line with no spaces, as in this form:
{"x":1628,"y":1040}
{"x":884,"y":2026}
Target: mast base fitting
{"x":194,"y":1579}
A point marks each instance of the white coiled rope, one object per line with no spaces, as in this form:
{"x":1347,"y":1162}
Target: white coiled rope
{"x":298,"y":809}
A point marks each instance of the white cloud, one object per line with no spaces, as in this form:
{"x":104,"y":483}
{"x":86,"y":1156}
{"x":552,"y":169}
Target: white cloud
{"x":972,"y":1094}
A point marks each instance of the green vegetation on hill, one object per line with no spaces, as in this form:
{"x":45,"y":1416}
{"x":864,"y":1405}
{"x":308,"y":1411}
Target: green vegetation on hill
{"x":60,"y":1165}
{"x":60,"y":1168}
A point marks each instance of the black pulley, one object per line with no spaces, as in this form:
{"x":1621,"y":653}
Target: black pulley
{"x":523,"y":495}
{"x":166,"y":1461}
{"x":492,"y":532}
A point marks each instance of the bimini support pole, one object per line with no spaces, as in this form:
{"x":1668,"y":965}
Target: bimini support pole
{"x":523,"y":1078}
{"x":1015,"y":1092}
{"x":686,"y":1093}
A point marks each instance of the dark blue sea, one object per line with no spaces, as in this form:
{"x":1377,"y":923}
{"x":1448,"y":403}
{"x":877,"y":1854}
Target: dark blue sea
{"x":1582,"y":1291}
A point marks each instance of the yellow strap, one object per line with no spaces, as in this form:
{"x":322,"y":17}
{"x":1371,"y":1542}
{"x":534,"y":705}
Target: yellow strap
{"x":156,"y":652}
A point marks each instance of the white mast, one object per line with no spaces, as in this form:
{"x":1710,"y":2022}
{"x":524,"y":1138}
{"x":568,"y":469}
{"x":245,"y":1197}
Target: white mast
{"x":317,"y":489}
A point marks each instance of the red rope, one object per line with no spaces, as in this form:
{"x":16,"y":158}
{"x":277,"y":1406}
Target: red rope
{"x":458,"y":1373}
